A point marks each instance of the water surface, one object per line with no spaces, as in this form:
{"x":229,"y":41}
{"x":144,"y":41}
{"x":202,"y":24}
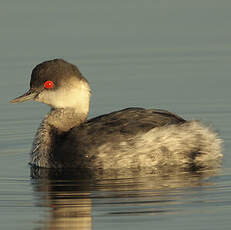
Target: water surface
{"x":172,"y":55}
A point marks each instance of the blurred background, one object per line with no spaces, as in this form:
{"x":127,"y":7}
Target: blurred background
{"x":167,"y":54}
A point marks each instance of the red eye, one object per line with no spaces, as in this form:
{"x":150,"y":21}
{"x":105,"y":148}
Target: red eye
{"x":48,"y":84}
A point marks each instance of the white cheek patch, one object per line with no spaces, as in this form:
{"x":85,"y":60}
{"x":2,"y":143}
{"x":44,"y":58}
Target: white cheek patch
{"x":59,"y":98}
{"x":77,"y":97}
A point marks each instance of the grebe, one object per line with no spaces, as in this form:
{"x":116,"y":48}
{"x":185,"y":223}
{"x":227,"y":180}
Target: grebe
{"x":129,"y":138}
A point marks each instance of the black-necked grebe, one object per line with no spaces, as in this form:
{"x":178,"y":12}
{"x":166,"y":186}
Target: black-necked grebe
{"x":129,"y":138}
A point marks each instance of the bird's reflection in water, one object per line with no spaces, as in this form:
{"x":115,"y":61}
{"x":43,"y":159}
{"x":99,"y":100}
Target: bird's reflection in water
{"x":71,"y":195}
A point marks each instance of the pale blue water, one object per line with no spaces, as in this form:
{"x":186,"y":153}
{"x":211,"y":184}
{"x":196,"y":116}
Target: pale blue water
{"x":169,"y":54}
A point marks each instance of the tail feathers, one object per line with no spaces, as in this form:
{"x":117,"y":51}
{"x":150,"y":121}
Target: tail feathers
{"x":190,"y":142}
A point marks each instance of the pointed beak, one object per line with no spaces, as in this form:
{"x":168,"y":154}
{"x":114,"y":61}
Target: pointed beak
{"x":29,"y":95}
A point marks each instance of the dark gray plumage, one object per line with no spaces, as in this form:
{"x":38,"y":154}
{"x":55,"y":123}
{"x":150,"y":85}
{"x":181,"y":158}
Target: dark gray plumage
{"x":129,"y":138}
{"x":111,"y":128}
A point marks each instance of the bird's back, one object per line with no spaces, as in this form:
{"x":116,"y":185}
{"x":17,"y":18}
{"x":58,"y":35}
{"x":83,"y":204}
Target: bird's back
{"x":124,"y":126}
{"x":130,"y":121}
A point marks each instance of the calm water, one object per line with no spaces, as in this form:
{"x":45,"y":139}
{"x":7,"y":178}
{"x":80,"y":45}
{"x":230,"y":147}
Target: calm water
{"x":169,"y":54}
